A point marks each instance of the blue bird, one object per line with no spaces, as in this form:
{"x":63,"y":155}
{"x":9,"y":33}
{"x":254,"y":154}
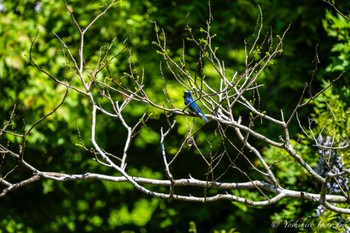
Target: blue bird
{"x":193,"y":106}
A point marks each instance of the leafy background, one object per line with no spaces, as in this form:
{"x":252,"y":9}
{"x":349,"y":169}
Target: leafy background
{"x":316,"y":33}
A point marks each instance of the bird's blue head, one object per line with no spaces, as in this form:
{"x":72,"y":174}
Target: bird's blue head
{"x":187,"y":94}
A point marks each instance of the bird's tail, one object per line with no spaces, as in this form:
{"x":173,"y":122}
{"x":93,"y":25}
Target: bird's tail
{"x":201,"y":115}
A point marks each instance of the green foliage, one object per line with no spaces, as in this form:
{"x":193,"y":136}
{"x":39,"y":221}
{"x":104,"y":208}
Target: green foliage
{"x":286,"y":170}
{"x":332,"y":113}
{"x":193,"y":229}
{"x":330,"y":117}
{"x":338,"y":27}
{"x":330,"y":222}
{"x":140,"y":215}
{"x":232,"y":230}
{"x":12,"y":226}
{"x":62,"y":142}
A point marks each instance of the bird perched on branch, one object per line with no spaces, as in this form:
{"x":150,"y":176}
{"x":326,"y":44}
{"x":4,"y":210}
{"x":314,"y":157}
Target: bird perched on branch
{"x":193,"y":106}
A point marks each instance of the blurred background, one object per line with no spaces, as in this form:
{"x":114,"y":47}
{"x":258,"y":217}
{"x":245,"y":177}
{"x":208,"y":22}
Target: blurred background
{"x":316,"y":50}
